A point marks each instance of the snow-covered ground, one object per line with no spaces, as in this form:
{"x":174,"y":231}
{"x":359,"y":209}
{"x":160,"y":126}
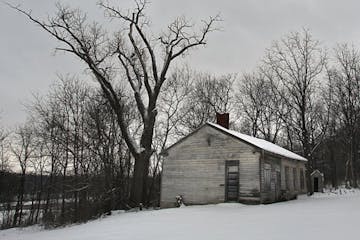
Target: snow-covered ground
{"x":322,"y":216}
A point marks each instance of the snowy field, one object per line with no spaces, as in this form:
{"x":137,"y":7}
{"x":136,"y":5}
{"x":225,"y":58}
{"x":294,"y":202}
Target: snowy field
{"x":322,"y":216}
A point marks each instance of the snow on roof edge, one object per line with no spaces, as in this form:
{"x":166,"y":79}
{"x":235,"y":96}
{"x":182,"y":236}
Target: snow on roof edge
{"x":260,"y":143}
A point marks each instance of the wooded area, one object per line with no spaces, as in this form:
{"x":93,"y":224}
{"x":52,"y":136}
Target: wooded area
{"x":86,"y":150}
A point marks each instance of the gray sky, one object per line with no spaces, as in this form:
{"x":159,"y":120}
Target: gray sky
{"x":28,"y":63}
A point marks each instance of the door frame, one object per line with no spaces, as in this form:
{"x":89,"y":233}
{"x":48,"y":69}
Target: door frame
{"x":316,"y":184}
{"x":231,"y":163}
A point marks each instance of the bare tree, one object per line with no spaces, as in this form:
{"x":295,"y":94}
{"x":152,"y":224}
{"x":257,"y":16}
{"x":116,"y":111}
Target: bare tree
{"x":4,"y":159}
{"x":175,"y":93}
{"x":86,"y":158}
{"x":209,"y":95}
{"x":173,"y":102}
{"x":334,"y":125}
{"x":111,"y":153}
{"x":144,"y":59}
{"x":22,"y":148}
{"x":344,"y":80}
{"x":260,"y":106}
{"x":6,"y":194}
{"x":298,"y":61}
{"x":48,"y":114}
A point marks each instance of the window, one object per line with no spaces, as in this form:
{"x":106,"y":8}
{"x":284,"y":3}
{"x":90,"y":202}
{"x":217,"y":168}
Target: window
{"x":267,"y":176}
{"x":295,"y":178}
{"x":287,"y":178}
{"x":302,"y":182}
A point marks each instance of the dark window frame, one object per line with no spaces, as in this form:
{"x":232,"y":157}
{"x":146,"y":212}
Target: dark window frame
{"x":287,"y":177}
{"x":295,"y":178}
{"x":267,"y":176}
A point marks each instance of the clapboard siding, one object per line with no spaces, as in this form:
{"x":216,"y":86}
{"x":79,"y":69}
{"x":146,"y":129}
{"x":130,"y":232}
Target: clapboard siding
{"x":279,"y":164}
{"x":269,"y":195}
{"x":294,"y":190}
{"x":195,"y":168}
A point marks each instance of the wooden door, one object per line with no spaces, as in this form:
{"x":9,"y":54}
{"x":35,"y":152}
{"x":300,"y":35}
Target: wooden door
{"x":232,"y":180}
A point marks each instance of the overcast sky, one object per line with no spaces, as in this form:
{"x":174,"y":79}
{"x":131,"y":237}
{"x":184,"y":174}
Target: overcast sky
{"x":28,"y":63}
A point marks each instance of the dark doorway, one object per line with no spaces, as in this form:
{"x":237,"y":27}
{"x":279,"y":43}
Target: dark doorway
{"x":316,"y":184}
{"x":232,"y":180}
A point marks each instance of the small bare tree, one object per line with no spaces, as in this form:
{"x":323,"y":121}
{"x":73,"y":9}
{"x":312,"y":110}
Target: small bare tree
{"x":4,"y":159}
{"x":39,"y":163}
{"x":22,"y":148}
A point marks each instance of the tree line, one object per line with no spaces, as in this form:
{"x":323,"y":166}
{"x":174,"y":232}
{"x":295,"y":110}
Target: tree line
{"x":97,"y":149}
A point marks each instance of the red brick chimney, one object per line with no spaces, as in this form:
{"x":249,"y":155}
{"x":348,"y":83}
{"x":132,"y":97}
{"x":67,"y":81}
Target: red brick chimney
{"x":222,"y":119}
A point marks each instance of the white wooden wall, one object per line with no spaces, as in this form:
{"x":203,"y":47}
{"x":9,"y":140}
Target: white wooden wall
{"x":195,"y":168}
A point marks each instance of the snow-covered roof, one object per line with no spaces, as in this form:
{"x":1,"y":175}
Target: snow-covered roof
{"x":260,"y":143}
